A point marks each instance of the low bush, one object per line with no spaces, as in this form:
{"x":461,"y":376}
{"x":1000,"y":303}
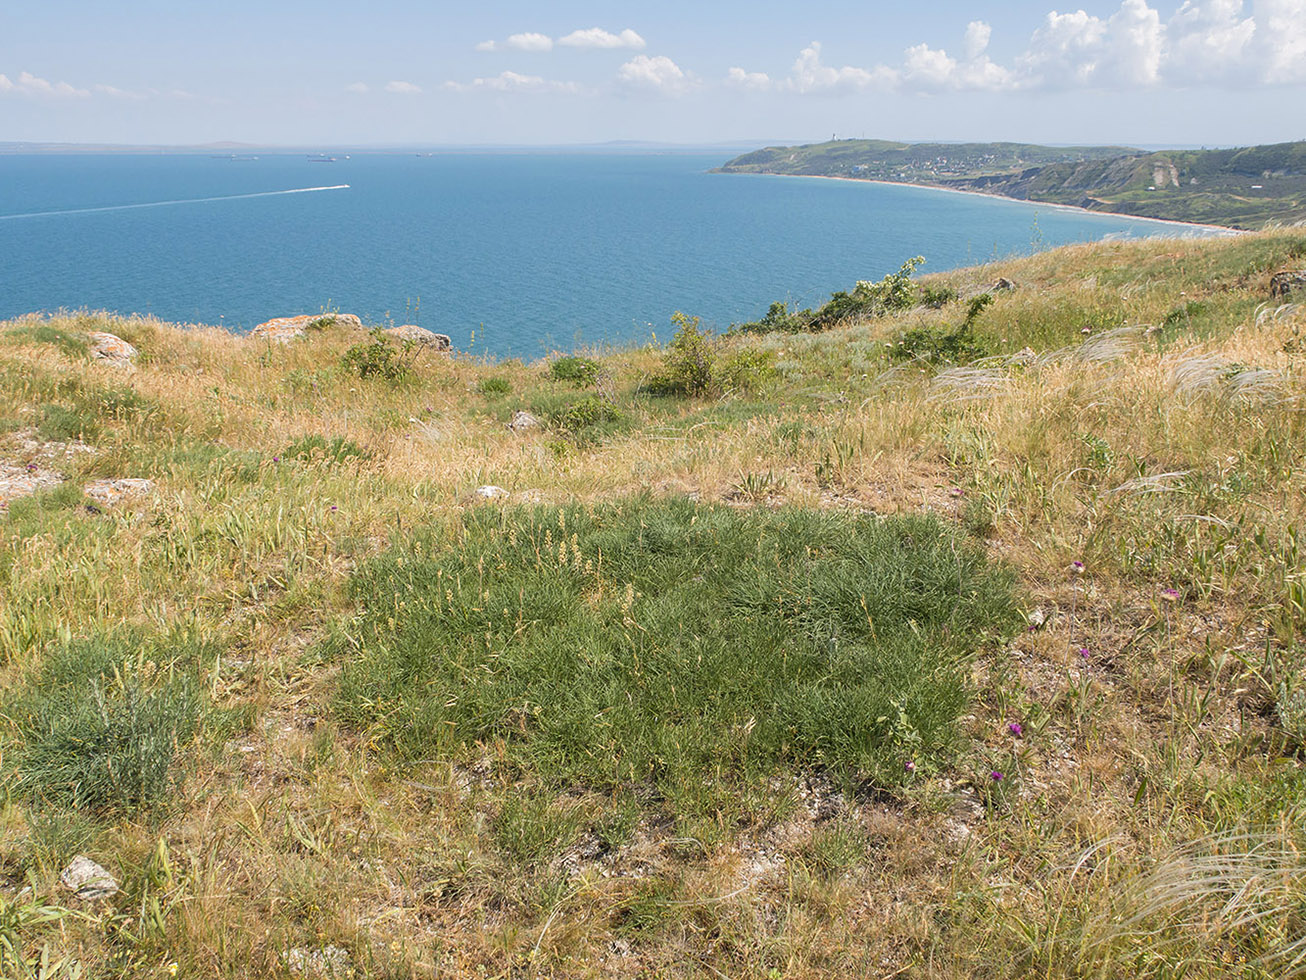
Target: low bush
{"x":891,"y":294}
{"x":942,"y":346}
{"x":590,"y":417}
{"x":695,"y":365}
{"x":494,"y":387}
{"x":378,"y":358}
{"x":579,"y":371}
{"x":698,"y":650}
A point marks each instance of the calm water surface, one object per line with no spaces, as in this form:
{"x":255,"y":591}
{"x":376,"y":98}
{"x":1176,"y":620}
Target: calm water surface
{"x":510,"y":254}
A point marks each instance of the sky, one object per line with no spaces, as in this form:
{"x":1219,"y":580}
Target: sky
{"x":505,"y":72}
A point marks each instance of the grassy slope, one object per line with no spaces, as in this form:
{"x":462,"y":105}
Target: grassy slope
{"x":1241,"y":188}
{"x":1150,"y":805}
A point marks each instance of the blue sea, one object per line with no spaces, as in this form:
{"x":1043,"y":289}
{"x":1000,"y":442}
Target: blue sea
{"x":511,"y":254}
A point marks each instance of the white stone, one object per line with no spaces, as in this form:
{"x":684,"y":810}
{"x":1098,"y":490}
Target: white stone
{"x":491,"y":492}
{"x":87,"y":880}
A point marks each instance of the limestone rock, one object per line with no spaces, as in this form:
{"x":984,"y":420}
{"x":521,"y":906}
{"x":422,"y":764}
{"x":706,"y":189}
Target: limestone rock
{"x":110,"y":492}
{"x":329,"y":961}
{"x":1285,"y":284}
{"x":87,"y":880}
{"x":111,"y":349}
{"x":492,"y":492}
{"x":523,"y":421}
{"x":420,"y":336}
{"x":284,"y":329}
{"x":21,"y":481}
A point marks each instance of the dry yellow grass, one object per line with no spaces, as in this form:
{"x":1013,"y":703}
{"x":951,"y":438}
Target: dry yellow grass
{"x":1163,"y":450}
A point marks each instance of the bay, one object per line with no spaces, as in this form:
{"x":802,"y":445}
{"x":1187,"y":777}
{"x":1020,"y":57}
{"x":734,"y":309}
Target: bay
{"x":511,"y":253}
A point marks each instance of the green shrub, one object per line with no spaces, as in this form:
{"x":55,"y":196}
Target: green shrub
{"x":891,"y":294}
{"x":377,"y":358}
{"x":579,"y":371}
{"x":937,"y":298}
{"x":587,"y":419}
{"x":338,"y":449}
{"x":935,"y":346}
{"x":698,"y":649}
{"x":687,"y":364}
{"x":494,"y":386}
{"x":746,"y":370}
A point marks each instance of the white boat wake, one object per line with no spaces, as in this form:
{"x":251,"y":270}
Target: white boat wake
{"x":164,"y":204}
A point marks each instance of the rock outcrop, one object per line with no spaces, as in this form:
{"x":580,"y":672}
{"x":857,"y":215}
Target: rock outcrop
{"x":1284,"y":285}
{"x":420,"y":336}
{"x":284,"y":329}
{"x":111,"y":349}
{"x":110,"y":492}
{"x":523,"y":422}
{"x":21,"y":481}
{"x":87,"y":880}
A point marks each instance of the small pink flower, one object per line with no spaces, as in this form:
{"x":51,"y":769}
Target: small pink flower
{"x":276,"y":459}
{"x":1169,"y":595}
{"x":958,"y":492}
{"x":909,"y":766}
{"x":1083,"y":652}
{"x":995,"y":776}
{"x":1016,"y":729}
{"x":334,"y":507}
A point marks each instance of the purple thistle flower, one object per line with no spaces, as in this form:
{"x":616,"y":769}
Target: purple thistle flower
{"x":334,"y":507}
{"x":276,"y":459}
{"x":995,"y":776}
{"x":1169,"y":595}
{"x":1083,"y":652}
{"x":1016,"y":729}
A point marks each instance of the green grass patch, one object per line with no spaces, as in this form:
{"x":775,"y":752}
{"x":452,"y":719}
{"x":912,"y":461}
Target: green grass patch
{"x":494,"y":387}
{"x":69,"y":343}
{"x":98,"y":725}
{"x":697,"y":651}
{"x":335,"y":450}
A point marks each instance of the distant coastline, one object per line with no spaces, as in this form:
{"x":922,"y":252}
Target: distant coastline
{"x":1220,"y":230}
{"x":1242,"y":188}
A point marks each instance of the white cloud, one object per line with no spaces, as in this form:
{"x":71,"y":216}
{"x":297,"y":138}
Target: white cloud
{"x":977,"y":39}
{"x":754,"y":81}
{"x":656,"y":74}
{"x":810,"y":75}
{"x":29,"y":84}
{"x":530,"y":42}
{"x":1281,"y":37}
{"x":597,"y":37}
{"x":357,"y":87}
{"x":928,"y":69}
{"x":1207,"y":40}
{"x":488,"y":46}
{"x":511,"y":81}
{"x":1079,"y":49}
{"x":402,"y":88}
{"x":114,"y":92}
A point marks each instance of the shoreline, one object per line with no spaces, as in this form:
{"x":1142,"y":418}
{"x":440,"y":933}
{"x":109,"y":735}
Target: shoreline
{"x":1221,"y":231}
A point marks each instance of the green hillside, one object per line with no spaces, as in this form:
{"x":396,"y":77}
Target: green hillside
{"x":1241,"y":188}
